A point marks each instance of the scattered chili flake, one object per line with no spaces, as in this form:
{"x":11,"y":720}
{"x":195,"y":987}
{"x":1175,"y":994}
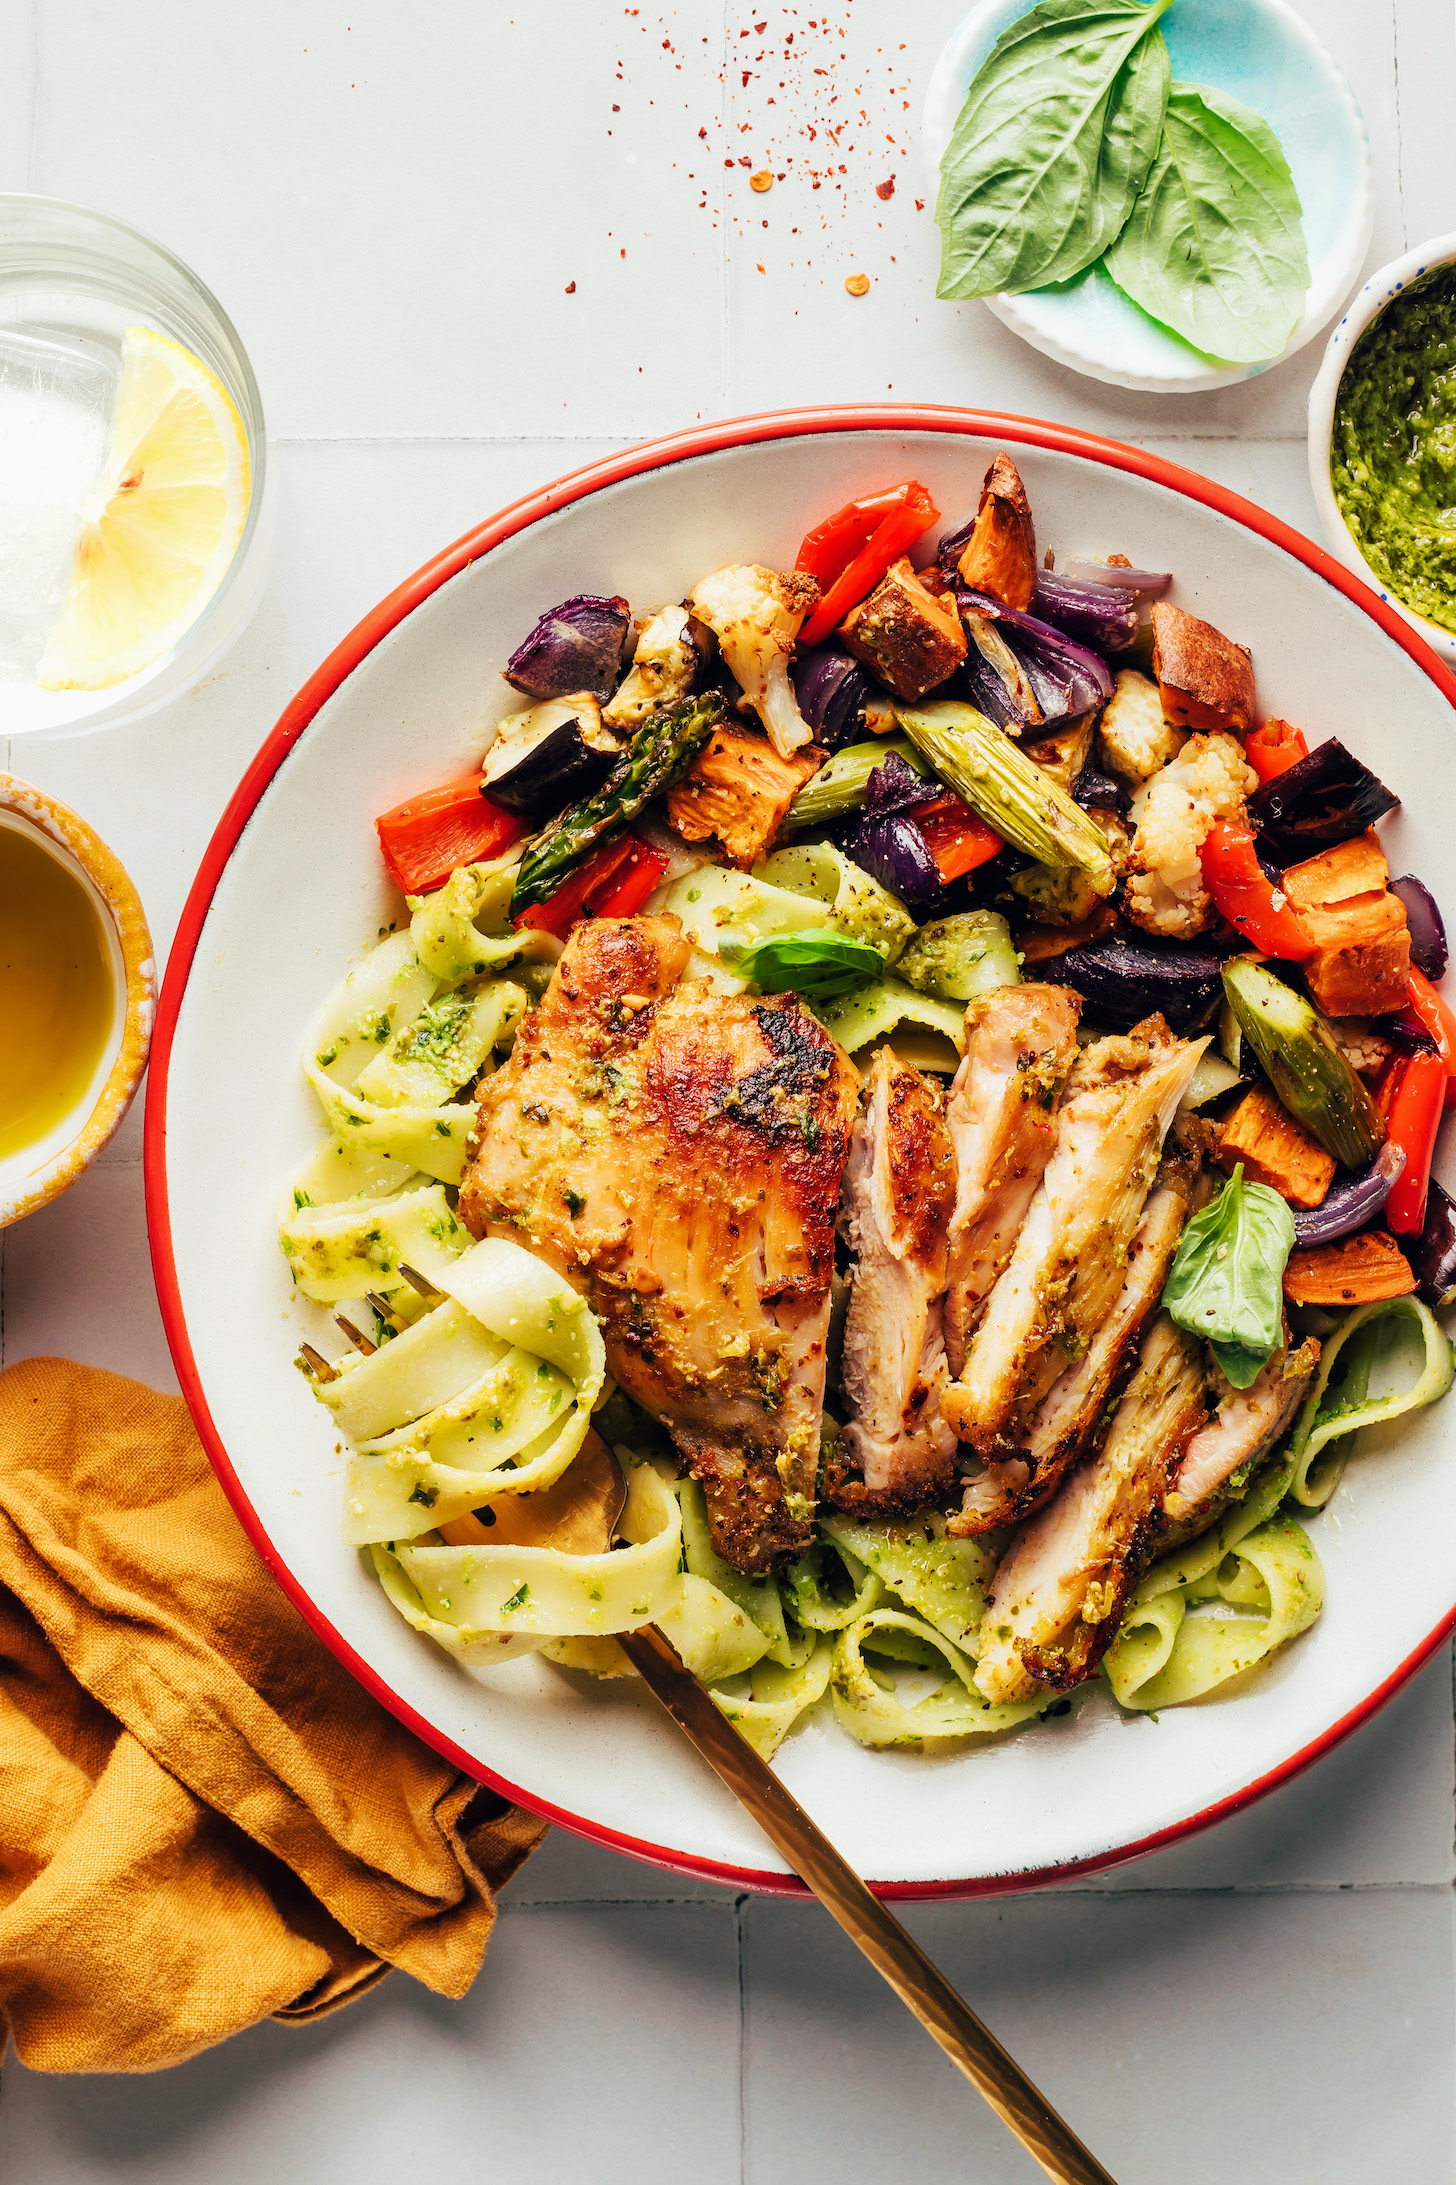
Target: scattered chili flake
{"x":858,"y":284}
{"x":763,"y":180}
{"x":885,"y":189}
{"x":571,"y":288}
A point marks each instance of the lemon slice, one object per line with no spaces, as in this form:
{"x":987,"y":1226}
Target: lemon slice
{"x":171,"y":511}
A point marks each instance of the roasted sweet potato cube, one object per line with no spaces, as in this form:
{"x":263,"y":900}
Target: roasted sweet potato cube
{"x":1361,"y":965}
{"x":1275,"y":1150}
{"x":740,"y":790}
{"x":1346,"y":869}
{"x":905,"y":635}
{"x":1205,"y":680}
{"x":1000,"y":555}
{"x":1356,"y":1271}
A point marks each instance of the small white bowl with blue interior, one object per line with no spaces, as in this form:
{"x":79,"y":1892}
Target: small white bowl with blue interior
{"x":1261,"y":53}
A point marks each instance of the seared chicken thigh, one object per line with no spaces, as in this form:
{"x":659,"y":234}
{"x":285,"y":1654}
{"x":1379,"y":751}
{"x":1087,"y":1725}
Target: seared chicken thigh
{"x":1068,"y":1415}
{"x":1065,"y":1579}
{"x":898,"y":1190}
{"x":1020,"y":1043}
{"x":1070,"y":1259}
{"x":1244,"y":1428}
{"x":677,"y":1155}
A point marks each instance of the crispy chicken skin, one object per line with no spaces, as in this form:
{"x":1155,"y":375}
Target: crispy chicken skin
{"x":1064,"y":1581}
{"x":1020,"y":1043}
{"x":677,"y":1155}
{"x":1069,"y":1415}
{"x":1070,"y":1259}
{"x":898,"y":1189}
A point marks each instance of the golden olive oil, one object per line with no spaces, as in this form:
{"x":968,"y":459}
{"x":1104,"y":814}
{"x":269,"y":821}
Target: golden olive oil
{"x":57,"y":996}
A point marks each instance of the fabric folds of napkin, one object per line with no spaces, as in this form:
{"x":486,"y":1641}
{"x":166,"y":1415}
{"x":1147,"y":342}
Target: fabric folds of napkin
{"x":203,"y":1818}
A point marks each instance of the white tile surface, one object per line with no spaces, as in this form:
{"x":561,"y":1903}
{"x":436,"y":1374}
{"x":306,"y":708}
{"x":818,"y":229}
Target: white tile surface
{"x":392,"y":203}
{"x":1208,"y":2038}
{"x":585,"y":2020}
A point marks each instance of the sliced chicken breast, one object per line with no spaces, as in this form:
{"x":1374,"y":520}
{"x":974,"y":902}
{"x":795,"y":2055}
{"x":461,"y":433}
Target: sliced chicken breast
{"x":1070,"y":1260}
{"x":1021,"y":1041}
{"x":899,"y":1187}
{"x":1064,"y":1581}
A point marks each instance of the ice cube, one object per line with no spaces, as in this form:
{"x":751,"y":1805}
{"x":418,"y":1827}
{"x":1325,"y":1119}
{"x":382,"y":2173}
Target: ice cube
{"x":55,"y":423}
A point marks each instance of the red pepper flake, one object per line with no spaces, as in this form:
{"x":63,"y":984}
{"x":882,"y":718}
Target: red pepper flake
{"x":885,"y":189}
{"x":747,"y":77}
{"x":570,"y":289}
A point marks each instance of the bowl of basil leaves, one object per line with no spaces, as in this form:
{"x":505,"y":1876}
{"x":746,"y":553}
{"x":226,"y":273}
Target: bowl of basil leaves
{"x":1165,"y":194}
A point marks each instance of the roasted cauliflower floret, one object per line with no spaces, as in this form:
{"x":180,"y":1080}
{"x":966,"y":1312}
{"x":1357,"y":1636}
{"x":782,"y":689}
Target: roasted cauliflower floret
{"x":1137,"y":738}
{"x":1172,"y":814}
{"x":755,"y":615}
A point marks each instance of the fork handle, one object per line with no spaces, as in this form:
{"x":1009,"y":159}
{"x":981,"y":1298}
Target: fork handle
{"x":870,"y":1925}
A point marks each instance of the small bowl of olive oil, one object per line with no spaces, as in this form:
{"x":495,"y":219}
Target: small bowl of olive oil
{"x":77,"y":995}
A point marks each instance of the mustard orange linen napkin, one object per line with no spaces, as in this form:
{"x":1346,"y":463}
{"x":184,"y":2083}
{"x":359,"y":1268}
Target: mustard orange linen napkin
{"x":203,"y":1819}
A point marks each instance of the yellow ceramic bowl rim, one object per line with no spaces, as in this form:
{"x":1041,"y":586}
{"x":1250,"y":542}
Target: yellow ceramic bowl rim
{"x":112,"y":882}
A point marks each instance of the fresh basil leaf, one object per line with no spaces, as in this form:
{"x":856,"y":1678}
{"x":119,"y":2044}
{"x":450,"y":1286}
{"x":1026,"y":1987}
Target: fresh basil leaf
{"x":1227,"y":1279}
{"x":819,"y":962}
{"x":1057,"y":135}
{"x":1214,"y":247}
{"x":1239,"y":1366}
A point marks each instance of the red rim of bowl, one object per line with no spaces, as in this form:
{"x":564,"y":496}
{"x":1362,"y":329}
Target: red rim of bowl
{"x":341,"y":662}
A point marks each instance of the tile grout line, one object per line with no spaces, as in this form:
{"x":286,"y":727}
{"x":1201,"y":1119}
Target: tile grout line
{"x":1221,"y":436}
{"x":1399,"y":133}
{"x":1150,"y":1893}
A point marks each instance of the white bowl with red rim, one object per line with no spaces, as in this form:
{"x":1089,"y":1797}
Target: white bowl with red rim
{"x":291,"y":892}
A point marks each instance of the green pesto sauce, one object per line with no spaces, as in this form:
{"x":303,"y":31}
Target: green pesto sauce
{"x":1393,"y":450}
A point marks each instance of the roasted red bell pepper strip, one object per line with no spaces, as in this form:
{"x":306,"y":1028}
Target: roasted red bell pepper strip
{"x":1415,"y":1117}
{"x":426,"y":837}
{"x":613,"y":882}
{"x":832,"y":545}
{"x":1274,"y":748}
{"x":957,"y":838}
{"x":1436,"y":1015}
{"x":630,"y":885}
{"x":1245,"y":895}
{"x":894,"y":536}
{"x":1388,"y":1084}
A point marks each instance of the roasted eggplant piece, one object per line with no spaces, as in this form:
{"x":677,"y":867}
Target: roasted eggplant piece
{"x":577,"y":646}
{"x":1327,"y":797}
{"x":1300,"y":1057}
{"x":672,"y":651}
{"x":1100,"y":793}
{"x":1125,"y":980}
{"x":897,"y":854}
{"x":557,"y":752}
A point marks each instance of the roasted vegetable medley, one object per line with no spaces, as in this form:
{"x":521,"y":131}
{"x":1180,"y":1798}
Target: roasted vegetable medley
{"x":983,"y":1081}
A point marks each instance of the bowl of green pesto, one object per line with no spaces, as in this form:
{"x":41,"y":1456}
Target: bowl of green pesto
{"x":1382,"y":439}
